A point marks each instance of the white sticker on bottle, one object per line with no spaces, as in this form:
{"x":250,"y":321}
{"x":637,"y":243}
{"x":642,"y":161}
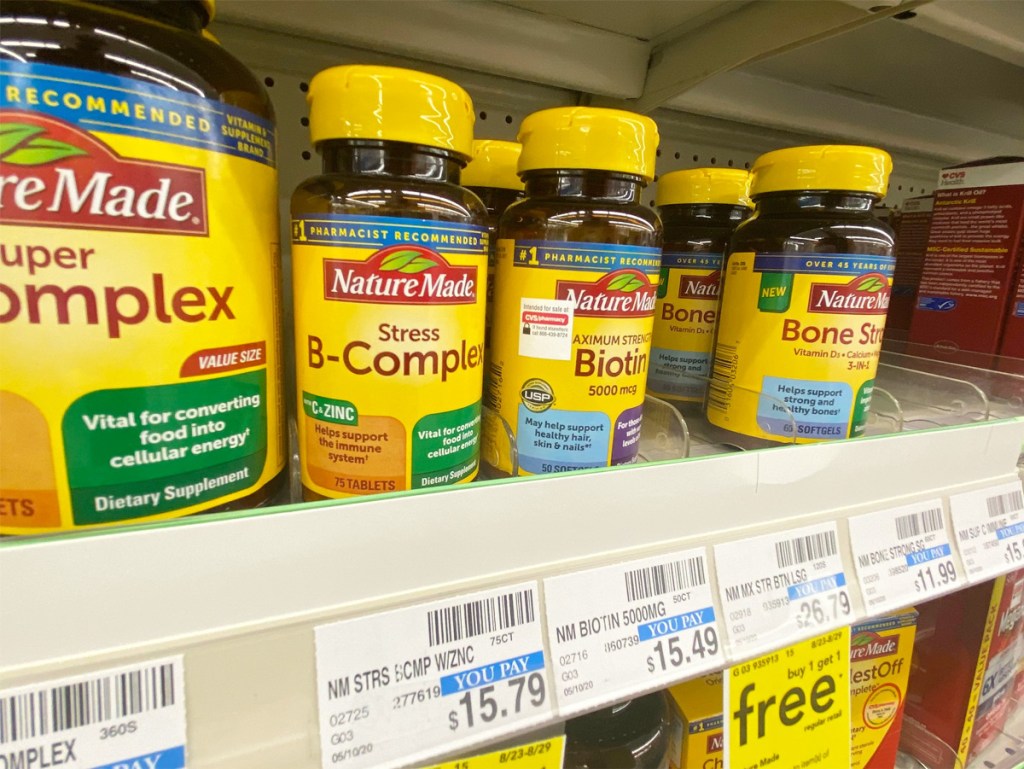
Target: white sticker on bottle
{"x":131,"y":717}
{"x":904,"y":555}
{"x":989,"y":527}
{"x":407,"y":685}
{"x":545,"y":328}
{"x":779,"y":588}
{"x":620,"y":630}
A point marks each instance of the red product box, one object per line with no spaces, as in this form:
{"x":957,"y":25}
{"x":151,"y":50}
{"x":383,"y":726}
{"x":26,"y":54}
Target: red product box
{"x":963,"y":671}
{"x":1012,"y":345}
{"x":971,"y":261}
{"x":912,"y":230}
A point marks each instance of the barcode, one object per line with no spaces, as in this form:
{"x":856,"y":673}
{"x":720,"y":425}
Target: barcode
{"x":916,"y":524}
{"x":723,"y":373}
{"x":1003,"y":504}
{"x":106,"y":698}
{"x":488,"y":615}
{"x":803,"y":549}
{"x":664,"y":578}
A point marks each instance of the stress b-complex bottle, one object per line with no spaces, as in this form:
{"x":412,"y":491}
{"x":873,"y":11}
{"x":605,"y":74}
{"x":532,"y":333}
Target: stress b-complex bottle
{"x":389,"y":264}
{"x":139,"y":278}
{"x":577,"y":272}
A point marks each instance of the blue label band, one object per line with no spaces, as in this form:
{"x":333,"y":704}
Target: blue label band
{"x":820,"y":585}
{"x":691,"y":260}
{"x":172,"y":758}
{"x":585,"y":257}
{"x":384,"y":231}
{"x":825,"y":264}
{"x":928,"y":554}
{"x":94,"y":101}
{"x":489,"y":674}
{"x":1008,"y":532}
{"x":676,"y":624}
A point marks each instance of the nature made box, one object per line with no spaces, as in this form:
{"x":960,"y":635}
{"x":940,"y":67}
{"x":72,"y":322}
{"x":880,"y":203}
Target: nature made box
{"x":963,"y":669}
{"x":880,"y":651}
{"x":971,"y":261}
{"x":697,"y":724}
{"x":912,"y":230}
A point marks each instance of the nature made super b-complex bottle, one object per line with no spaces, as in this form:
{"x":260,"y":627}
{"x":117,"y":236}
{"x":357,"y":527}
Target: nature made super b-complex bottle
{"x":492,"y":175}
{"x":804,"y":294}
{"x":139,"y":269}
{"x":700,"y":208}
{"x":389,"y":261}
{"x":578,"y":264}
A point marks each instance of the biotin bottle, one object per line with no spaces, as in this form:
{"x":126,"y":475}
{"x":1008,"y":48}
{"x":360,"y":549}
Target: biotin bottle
{"x":577,"y":272}
{"x":805,"y":291}
{"x":389,"y":259}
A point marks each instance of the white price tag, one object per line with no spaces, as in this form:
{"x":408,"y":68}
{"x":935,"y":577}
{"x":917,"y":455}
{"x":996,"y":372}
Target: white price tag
{"x":779,"y":588}
{"x":131,"y":717}
{"x":403,"y":686}
{"x":989,"y":526}
{"x":618,"y":630}
{"x":904,"y":555}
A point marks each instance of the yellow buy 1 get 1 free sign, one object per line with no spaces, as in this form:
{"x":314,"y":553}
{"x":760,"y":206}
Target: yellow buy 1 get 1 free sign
{"x":790,"y":709}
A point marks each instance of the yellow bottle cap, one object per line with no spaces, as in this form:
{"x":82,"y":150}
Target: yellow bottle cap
{"x":494,"y":164}
{"x":589,"y":138}
{"x":824,"y":167}
{"x":704,"y":185}
{"x":390,"y":104}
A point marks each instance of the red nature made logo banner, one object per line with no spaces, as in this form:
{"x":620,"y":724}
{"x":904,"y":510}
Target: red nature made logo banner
{"x":699,"y":286}
{"x":400,"y":275}
{"x":868,"y":646}
{"x":619,"y":294}
{"x":864,"y":295}
{"x":54,"y":175}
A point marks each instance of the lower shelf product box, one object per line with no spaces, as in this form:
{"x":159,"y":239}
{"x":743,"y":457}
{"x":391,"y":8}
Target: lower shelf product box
{"x":697,"y":724}
{"x":963,"y":669}
{"x":911,"y":243}
{"x":880,"y":651}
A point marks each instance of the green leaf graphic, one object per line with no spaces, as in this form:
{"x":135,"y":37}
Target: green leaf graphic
{"x":13,"y":134}
{"x":398,"y":260}
{"x":620,"y":282}
{"x":634,"y":284}
{"x":37,"y":152}
{"x":871,"y":284}
{"x":419,"y":264}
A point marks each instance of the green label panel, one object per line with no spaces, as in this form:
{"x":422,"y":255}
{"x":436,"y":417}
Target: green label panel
{"x":775,"y":292}
{"x":862,"y":409}
{"x":445,"y":447}
{"x":149,"y":450}
{"x":329,"y":409}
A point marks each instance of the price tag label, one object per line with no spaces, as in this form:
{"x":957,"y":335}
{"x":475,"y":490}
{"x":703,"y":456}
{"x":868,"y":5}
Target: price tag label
{"x":779,"y":587}
{"x":618,"y":630}
{"x":402,"y":686}
{"x":791,"y":709}
{"x":989,"y":526}
{"x":542,"y":754}
{"x":904,"y":555}
{"x":130,"y":716}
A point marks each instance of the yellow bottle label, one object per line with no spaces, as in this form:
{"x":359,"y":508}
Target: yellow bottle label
{"x":571,"y":347}
{"x":138,"y":301}
{"x":799,"y":338}
{"x":684,"y":325}
{"x":389,"y":334}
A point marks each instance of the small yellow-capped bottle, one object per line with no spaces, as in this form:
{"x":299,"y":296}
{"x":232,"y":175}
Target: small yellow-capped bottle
{"x":493,"y":175}
{"x":577,"y":272}
{"x":804,"y":293}
{"x":389,"y":259}
{"x":700,"y":208}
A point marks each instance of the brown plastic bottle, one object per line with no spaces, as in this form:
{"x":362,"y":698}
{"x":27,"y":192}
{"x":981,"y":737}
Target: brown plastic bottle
{"x":389,"y":258}
{"x":131,"y":146}
{"x":578,"y":263}
{"x":804,"y":295}
{"x":630,"y":735}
